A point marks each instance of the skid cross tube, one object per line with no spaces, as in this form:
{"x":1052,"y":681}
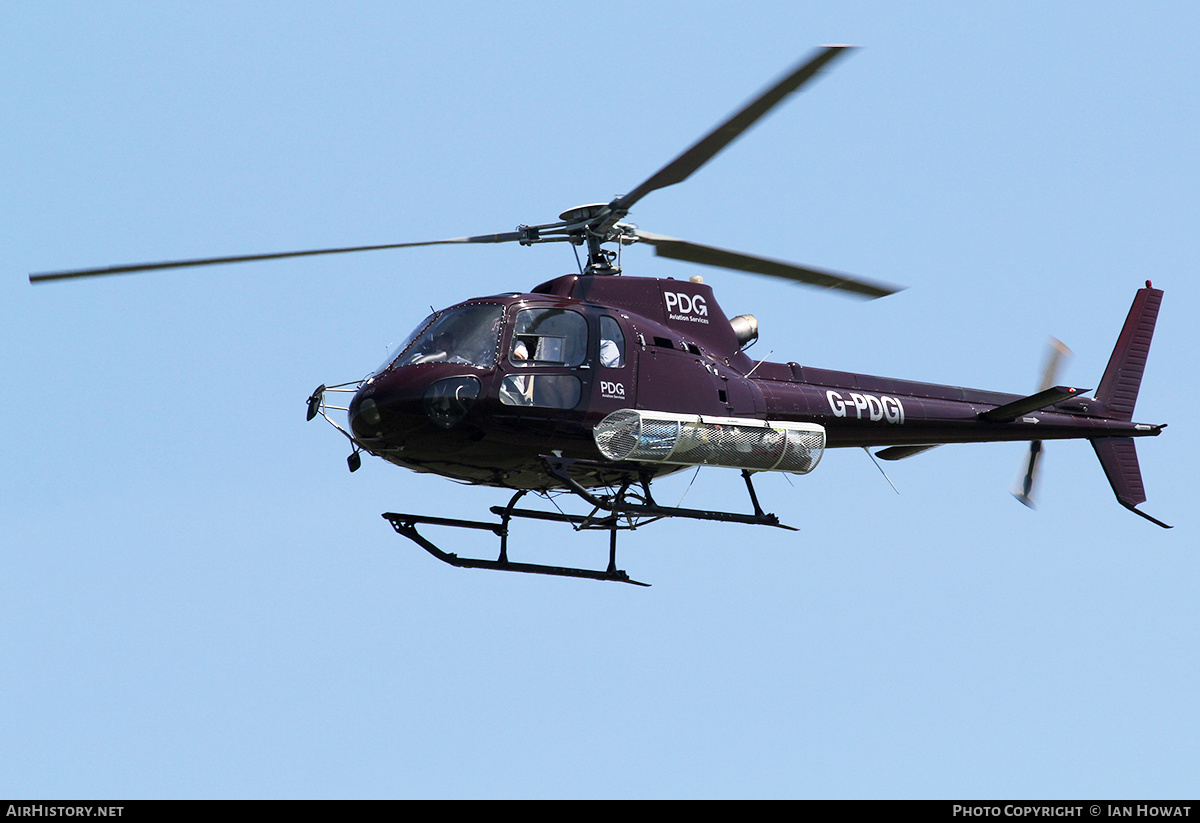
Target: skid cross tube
{"x":559,"y":468}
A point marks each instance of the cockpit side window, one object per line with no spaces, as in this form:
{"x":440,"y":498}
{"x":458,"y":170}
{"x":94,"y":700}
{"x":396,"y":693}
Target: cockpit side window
{"x":554,"y":391}
{"x":612,"y":343}
{"x":549,"y":337}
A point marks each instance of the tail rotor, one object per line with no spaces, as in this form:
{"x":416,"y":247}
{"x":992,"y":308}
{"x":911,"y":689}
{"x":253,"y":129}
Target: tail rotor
{"x":1056,"y":354}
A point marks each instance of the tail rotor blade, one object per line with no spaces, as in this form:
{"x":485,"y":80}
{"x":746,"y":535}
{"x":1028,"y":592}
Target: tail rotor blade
{"x":1057,"y":354}
{"x":1024,"y":490}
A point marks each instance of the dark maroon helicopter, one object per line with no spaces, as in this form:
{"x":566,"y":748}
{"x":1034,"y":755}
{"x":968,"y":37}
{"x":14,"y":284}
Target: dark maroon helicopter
{"x":593,"y":384}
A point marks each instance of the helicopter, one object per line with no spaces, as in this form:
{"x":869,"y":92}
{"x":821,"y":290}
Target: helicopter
{"x":592,"y":385}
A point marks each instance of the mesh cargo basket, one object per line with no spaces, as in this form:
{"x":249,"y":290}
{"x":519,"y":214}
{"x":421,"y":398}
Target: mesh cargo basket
{"x":693,"y":440}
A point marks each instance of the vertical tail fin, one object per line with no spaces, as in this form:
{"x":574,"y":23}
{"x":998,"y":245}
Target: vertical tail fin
{"x":1119,"y":387}
{"x":1118,"y":393}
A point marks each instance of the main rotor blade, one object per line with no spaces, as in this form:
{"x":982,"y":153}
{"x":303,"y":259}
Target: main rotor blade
{"x":707,"y":147}
{"x":722,"y":258}
{"x":247,"y":258}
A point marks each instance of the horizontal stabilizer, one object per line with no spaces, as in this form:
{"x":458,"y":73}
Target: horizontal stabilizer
{"x":1118,"y":456}
{"x":1013,"y":410}
{"x":901,"y":452}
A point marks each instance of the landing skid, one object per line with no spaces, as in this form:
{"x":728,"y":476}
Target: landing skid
{"x":628,"y":508}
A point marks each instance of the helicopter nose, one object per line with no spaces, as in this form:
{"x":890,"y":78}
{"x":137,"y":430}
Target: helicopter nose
{"x":394,"y":405}
{"x":365,"y":419}
{"x":384,"y":408}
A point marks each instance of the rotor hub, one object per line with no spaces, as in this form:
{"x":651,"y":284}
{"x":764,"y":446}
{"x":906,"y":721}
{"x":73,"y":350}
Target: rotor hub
{"x":582,"y":213}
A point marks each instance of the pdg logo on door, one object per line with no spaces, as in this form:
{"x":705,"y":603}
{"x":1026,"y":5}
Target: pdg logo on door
{"x":611,"y":390}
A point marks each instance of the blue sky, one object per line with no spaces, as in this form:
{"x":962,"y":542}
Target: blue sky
{"x":200,"y":601}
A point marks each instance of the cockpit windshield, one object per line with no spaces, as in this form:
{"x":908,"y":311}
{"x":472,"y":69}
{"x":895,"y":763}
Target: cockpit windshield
{"x":466,"y":334}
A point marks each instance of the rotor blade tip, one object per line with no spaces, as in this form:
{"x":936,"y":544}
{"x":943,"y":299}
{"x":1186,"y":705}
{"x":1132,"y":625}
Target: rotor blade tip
{"x":1025,"y":500}
{"x":894,"y":290}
